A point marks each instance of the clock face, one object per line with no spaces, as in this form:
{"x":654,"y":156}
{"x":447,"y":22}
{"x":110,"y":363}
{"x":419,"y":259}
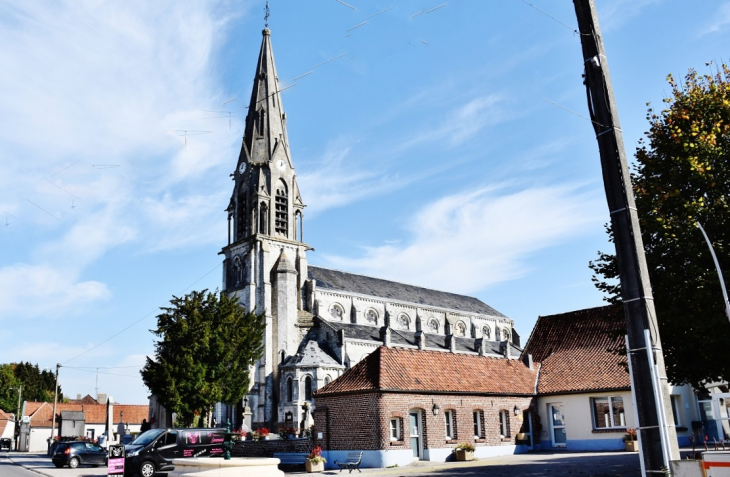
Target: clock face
{"x":242,"y":168}
{"x":280,"y":164}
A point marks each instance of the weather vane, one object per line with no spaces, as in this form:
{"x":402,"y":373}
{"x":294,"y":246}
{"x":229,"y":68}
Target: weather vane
{"x":266,"y":17}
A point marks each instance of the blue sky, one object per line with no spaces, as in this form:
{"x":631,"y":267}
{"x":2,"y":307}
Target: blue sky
{"x":428,"y":152}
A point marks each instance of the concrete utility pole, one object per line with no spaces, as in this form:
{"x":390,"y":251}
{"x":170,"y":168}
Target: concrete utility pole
{"x":657,"y":436}
{"x":55,"y":401}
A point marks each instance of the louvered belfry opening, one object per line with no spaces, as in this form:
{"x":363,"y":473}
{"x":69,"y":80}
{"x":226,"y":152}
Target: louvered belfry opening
{"x":282,"y":213}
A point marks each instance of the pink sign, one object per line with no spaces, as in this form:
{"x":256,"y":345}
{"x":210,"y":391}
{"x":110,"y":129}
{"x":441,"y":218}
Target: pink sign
{"x":115,"y":466}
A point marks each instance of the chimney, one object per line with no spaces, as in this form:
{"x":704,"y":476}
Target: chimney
{"x":101,"y":398}
{"x":78,"y":396}
{"x":527,"y":359}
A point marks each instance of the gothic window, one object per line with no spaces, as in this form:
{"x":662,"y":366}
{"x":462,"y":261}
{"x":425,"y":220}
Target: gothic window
{"x":505,"y":334}
{"x":433,"y":325}
{"x":371,"y":316}
{"x":337,"y":311}
{"x":289,"y":390}
{"x":260,"y":122}
{"x":237,"y":272}
{"x":298,"y":226}
{"x":403,"y":321}
{"x":308,"y":388}
{"x":264,"y":218}
{"x":486,"y":333}
{"x":460,"y":329}
{"x":241,"y":218}
{"x":327,"y":380}
{"x":497,"y":334}
{"x":282,"y":210}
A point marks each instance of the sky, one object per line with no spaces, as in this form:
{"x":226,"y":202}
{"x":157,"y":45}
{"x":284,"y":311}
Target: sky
{"x":439,"y":143}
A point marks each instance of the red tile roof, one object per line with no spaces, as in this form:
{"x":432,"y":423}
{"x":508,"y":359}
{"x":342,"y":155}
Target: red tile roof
{"x":401,"y":369}
{"x":574,"y":350}
{"x":40,"y":412}
{"x":5,"y":418}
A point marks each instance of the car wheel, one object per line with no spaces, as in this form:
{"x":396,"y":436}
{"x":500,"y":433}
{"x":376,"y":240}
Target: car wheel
{"x":147,"y":469}
{"x":73,"y":462}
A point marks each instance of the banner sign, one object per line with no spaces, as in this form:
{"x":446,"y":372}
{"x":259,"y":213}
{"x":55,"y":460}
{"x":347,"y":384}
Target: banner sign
{"x":115,"y":466}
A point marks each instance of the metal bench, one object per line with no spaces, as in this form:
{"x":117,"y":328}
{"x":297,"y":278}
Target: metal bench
{"x":352,"y":462}
{"x":291,"y":458}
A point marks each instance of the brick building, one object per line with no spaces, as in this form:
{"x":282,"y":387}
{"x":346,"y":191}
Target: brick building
{"x":401,"y":404}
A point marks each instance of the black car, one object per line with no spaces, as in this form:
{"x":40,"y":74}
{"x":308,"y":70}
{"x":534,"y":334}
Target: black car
{"x":76,"y":453}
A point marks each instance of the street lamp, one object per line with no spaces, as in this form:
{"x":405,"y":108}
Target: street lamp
{"x":719,"y":272}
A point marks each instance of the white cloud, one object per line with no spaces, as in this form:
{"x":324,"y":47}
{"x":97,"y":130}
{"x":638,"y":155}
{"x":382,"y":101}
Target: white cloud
{"x":719,"y":20}
{"x":32,"y":291}
{"x":614,"y":14}
{"x":466,"y":242}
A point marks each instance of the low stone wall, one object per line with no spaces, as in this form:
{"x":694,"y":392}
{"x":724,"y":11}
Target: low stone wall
{"x":267,"y":448}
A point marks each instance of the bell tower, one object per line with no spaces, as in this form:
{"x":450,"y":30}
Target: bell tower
{"x":265,"y":261}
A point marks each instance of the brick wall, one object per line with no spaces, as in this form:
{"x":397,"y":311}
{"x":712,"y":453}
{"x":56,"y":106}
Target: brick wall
{"x":267,"y":448}
{"x":362,"y":421}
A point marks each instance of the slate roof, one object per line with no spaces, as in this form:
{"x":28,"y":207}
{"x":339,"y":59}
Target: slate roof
{"x":409,"y":370}
{"x":40,"y":412}
{"x":408,"y":338}
{"x":311,"y":355}
{"x":574,"y":351}
{"x":336,"y":280}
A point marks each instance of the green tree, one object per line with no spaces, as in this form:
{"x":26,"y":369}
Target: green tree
{"x":207,"y":344}
{"x":8,"y":396}
{"x":681,"y":177}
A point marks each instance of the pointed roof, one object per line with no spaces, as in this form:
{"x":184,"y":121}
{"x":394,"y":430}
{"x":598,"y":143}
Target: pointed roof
{"x":417,"y":371}
{"x":578,"y":351}
{"x":265,"y":136}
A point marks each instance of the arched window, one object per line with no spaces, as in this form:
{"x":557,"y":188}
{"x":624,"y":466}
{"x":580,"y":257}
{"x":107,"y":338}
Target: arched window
{"x":237,"y":272}
{"x":308,"y":388}
{"x":261,"y":122}
{"x":289,"y":390}
{"x":282,"y":210}
{"x":337,"y":311}
{"x":505,"y":334}
{"x":327,"y":380}
{"x":241,"y":218}
{"x":433,"y":325}
{"x":264,"y":219}
{"x":371,"y":316}
{"x":403,"y":321}
{"x":299,"y":226}
{"x":460,"y":329}
{"x":486,"y":333}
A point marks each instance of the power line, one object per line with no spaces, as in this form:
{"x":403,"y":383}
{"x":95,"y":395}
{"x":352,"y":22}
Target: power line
{"x":145,"y":316}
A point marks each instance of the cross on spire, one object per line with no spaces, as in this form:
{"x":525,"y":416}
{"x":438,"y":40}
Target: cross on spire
{"x":266,"y":17}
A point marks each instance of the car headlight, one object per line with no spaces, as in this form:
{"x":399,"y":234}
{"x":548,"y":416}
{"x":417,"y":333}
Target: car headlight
{"x":133,"y":453}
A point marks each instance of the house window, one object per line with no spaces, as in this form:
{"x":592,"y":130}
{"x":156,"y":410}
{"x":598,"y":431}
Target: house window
{"x":478,"y":434}
{"x":608,"y":412}
{"x":308,"y":388}
{"x":503,"y":424}
{"x":395,"y":429}
{"x":450,"y":429}
{"x":676,"y":406}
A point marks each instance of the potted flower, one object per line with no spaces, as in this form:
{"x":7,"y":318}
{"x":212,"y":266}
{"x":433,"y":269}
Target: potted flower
{"x":630,"y":441}
{"x":260,"y":434}
{"x":315,"y":461}
{"x":287,"y":433}
{"x":464,"y":451}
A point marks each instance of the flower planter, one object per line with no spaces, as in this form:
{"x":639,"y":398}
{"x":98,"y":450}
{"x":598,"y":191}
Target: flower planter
{"x":631,"y":446}
{"x":313,"y":466}
{"x":462,"y":455}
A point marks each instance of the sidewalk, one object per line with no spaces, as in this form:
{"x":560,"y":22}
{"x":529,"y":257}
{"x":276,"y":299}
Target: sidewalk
{"x":41,"y":464}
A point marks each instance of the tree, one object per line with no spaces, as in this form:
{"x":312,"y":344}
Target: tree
{"x":208,"y":342}
{"x":681,"y":177}
{"x":8,"y":396}
{"x":37,"y":385}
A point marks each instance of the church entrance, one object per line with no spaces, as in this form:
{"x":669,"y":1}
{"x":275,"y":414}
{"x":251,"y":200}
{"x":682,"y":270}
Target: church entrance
{"x":416,"y":433}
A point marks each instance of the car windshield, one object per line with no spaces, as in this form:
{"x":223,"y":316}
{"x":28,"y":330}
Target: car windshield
{"x":147,"y":437}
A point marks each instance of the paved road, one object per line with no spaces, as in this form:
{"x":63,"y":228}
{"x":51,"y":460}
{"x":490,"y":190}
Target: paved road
{"x":541,"y":464}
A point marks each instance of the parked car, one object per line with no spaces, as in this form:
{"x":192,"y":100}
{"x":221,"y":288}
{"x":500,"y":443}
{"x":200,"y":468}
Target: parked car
{"x":153,"y":450}
{"x":76,"y":453}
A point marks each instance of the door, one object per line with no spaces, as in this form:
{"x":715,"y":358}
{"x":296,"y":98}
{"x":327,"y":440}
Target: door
{"x":526,"y":428}
{"x":414,"y":428}
{"x":557,"y":425}
{"x":167,"y":446}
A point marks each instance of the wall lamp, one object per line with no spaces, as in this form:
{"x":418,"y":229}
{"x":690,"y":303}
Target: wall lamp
{"x":517,"y":411}
{"x":436,"y":409}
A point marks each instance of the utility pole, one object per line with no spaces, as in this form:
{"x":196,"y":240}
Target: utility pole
{"x":55,"y":401}
{"x":655,"y":427}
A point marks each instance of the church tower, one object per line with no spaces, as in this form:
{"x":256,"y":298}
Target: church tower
{"x":265,"y":263}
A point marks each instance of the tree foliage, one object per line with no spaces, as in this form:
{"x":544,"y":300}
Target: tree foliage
{"x":681,"y":177}
{"x":208,"y":342}
{"x":37,"y":385}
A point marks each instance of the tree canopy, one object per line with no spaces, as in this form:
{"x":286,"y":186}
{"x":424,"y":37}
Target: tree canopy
{"x":681,"y":177}
{"x":37,"y":385}
{"x":208,"y":342}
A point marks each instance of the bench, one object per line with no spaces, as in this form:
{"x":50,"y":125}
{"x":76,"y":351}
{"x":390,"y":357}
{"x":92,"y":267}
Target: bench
{"x":352,"y":462}
{"x":291,"y":458}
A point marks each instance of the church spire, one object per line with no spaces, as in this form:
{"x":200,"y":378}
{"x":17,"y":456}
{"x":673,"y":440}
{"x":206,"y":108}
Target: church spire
{"x":266,"y":122}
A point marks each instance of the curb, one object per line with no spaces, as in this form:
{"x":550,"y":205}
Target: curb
{"x":31,"y":469}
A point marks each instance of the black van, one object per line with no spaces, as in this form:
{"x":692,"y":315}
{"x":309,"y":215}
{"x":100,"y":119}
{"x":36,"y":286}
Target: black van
{"x":153,"y":450}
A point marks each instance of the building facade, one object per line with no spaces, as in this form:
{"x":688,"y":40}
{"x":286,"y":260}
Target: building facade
{"x":320,"y":322}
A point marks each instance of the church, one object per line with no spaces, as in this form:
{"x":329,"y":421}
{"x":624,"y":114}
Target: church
{"x":322,"y":322}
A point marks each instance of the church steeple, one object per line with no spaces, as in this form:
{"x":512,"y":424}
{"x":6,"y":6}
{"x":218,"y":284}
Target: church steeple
{"x":266,"y":198}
